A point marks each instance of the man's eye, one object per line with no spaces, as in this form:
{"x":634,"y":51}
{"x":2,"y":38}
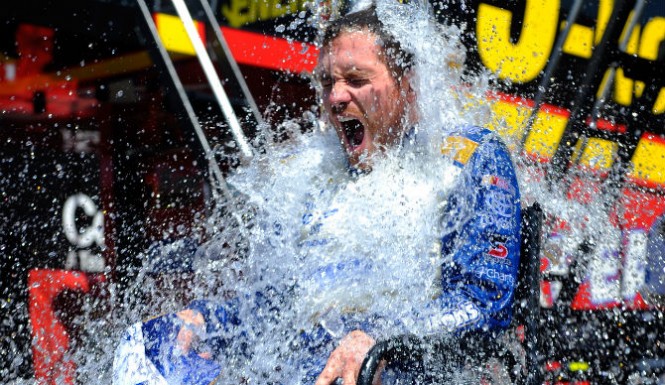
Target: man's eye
{"x":326,"y":82}
{"x":356,"y":82}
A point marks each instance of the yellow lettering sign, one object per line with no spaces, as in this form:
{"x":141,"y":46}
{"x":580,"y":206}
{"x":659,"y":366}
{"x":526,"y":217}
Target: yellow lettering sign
{"x":579,"y":41}
{"x":522,"y":61}
{"x":241,"y":12}
{"x":623,"y":86}
{"x":237,"y":12}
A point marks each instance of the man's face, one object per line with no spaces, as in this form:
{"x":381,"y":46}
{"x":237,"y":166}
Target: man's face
{"x":364,"y":102}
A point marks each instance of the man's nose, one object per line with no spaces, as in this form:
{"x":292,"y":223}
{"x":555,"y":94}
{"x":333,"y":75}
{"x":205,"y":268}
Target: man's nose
{"x":339,"y":97}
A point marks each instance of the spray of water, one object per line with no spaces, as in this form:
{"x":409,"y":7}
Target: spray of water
{"x":323,"y":246}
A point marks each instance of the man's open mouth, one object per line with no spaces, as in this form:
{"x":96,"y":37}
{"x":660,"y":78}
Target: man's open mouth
{"x":354,"y":131}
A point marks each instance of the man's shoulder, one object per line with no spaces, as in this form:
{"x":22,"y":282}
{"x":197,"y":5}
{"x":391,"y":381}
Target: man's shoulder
{"x":477,"y":134}
{"x":463,"y":142}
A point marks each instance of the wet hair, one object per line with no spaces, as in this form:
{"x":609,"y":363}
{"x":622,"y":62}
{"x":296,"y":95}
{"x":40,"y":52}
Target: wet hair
{"x":395,"y":57}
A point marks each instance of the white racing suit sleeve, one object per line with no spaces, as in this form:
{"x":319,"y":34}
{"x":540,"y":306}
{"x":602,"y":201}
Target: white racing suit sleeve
{"x":130,"y":364}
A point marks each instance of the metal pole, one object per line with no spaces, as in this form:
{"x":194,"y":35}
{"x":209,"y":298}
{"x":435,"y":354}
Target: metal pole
{"x":217,"y":174}
{"x":213,"y":78}
{"x":232,"y":62}
{"x":602,"y":97}
{"x":605,"y":50}
{"x":623,"y":45}
{"x":551,"y":66}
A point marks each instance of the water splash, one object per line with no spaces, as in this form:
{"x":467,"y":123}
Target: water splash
{"x":324,"y":245}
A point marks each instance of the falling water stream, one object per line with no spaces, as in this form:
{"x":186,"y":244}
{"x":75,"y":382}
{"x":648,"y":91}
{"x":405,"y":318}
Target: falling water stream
{"x":321,"y":244}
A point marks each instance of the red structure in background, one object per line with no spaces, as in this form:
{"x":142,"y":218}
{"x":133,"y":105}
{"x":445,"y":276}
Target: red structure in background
{"x":50,"y":336}
{"x":35,"y":49}
{"x":29,"y":89}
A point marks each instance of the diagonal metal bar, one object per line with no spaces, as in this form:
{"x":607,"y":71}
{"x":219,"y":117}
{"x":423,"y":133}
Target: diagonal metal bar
{"x":623,"y":47}
{"x":605,"y":51}
{"x":551,"y":67}
{"x":217,"y":174}
{"x":231,"y":62}
{"x":607,"y":85}
{"x":213,"y":78}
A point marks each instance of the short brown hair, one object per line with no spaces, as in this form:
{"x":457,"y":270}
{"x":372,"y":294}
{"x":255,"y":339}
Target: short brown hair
{"x":397,"y":59}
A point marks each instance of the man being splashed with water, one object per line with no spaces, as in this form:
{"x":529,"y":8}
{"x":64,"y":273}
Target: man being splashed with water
{"x":370,"y":100}
{"x":417,"y":233}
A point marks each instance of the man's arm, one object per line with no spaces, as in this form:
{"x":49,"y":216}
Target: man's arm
{"x":480,"y":246}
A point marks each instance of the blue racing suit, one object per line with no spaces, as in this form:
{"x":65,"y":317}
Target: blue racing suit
{"x":477,"y":287}
{"x":480,"y":246}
